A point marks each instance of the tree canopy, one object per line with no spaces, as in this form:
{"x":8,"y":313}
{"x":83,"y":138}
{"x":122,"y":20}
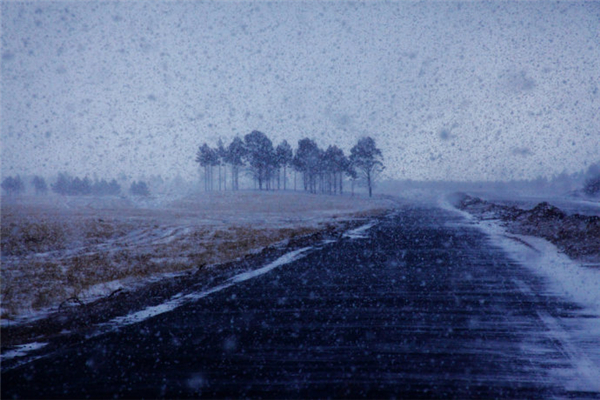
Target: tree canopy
{"x":321,"y":170}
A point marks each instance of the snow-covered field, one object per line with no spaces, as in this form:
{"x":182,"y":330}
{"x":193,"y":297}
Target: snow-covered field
{"x":62,"y":250}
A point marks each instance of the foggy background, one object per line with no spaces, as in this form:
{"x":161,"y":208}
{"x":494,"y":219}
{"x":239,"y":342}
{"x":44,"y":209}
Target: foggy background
{"x":449,"y":90}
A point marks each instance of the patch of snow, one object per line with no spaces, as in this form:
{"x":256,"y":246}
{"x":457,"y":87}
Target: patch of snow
{"x":585,"y":375}
{"x":90,"y":295}
{"x":170,"y":260}
{"x":100,"y":290}
{"x":285,"y":259}
{"x":179,"y":299}
{"x":22,"y":350}
{"x":359,"y":233}
{"x":146,"y":313}
{"x":26,"y":316}
{"x":566,"y":276}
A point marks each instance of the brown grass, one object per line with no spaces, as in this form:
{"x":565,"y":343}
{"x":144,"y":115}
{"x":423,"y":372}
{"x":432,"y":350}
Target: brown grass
{"x":22,"y":237}
{"x":50,"y":254}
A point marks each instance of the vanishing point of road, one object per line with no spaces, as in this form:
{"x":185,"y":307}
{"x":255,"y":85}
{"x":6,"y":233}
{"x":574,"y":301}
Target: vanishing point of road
{"x":419,"y":305}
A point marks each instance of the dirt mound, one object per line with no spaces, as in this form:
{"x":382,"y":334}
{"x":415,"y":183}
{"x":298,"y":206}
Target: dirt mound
{"x":577,"y":235}
{"x":545,"y":211}
{"x":488,"y":210}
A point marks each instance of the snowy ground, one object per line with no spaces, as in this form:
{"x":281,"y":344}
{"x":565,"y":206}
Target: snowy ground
{"x":563,"y":248}
{"x":578,"y":278}
{"x":59,"y":251}
{"x":464,"y":320}
{"x":571,"y":225}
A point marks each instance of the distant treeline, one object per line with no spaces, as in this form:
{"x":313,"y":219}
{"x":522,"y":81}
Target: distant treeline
{"x":322,"y":170}
{"x":74,"y":186}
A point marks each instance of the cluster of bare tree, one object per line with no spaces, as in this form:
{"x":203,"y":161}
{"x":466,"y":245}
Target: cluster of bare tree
{"x":322,"y":170}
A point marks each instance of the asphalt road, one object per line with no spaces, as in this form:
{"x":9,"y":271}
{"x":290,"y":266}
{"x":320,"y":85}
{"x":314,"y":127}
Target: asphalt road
{"x":421,"y":306}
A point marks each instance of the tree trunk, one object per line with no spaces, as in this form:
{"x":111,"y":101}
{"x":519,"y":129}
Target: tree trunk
{"x":305,"y":181}
{"x":207,"y":178}
{"x":236,"y":178}
{"x":232,"y":177}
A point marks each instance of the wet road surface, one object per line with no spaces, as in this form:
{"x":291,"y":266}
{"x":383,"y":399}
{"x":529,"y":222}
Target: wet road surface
{"x":418,"y":305}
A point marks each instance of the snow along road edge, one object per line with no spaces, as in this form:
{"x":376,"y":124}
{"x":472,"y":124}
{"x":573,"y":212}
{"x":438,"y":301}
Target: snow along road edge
{"x":565,"y":277}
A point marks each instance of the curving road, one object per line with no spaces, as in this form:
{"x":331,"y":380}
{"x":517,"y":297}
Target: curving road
{"x":414,"y":305}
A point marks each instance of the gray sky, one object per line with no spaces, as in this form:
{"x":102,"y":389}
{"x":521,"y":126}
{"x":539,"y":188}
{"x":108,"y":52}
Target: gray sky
{"x":449,"y":90}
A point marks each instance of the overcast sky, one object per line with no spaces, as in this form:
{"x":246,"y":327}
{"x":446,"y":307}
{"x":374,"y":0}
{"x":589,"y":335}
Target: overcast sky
{"x":449,"y":90}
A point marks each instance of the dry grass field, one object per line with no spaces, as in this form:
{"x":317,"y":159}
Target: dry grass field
{"x":58,"y":248}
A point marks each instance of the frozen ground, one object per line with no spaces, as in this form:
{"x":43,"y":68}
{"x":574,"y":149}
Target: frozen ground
{"x":63,"y":251}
